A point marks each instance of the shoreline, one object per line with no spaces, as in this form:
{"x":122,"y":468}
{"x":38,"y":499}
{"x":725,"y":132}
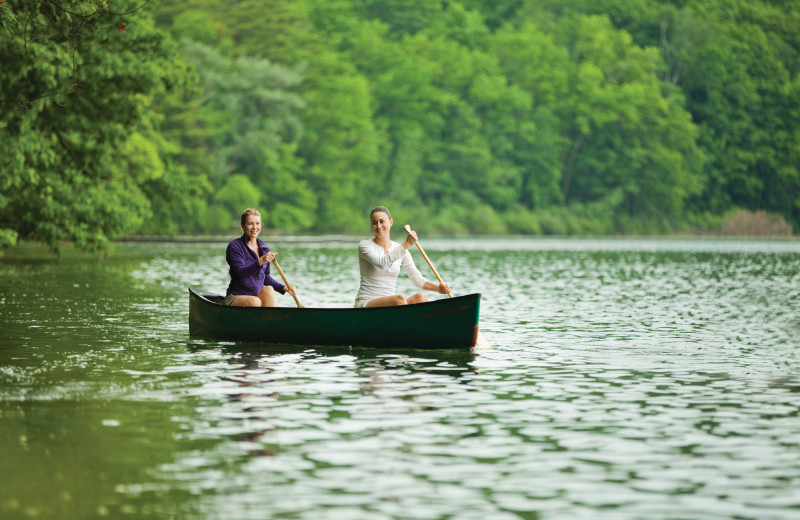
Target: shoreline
{"x":351,"y":238}
{"x":33,"y":249}
{"x":227,"y":238}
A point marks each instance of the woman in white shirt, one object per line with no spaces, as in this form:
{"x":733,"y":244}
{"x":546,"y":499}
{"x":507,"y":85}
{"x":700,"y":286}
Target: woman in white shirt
{"x":379,"y":261}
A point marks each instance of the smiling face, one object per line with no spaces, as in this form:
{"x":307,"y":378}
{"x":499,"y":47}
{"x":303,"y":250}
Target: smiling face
{"x":252,"y":226}
{"x":381,"y":224}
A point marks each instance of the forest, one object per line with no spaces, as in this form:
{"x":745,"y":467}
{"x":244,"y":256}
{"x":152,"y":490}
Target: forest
{"x":558,"y":117}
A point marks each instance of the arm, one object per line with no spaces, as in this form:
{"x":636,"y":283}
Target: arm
{"x":441,"y":289}
{"x":413,"y":273}
{"x":377,"y":257}
{"x":419,"y":280}
{"x":267,"y":258}
{"x":272,"y":282}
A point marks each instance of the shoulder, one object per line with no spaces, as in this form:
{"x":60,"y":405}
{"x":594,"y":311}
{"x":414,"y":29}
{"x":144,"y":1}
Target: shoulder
{"x":366,"y":244}
{"x":262,"y":245}
{"x":236,"y":243}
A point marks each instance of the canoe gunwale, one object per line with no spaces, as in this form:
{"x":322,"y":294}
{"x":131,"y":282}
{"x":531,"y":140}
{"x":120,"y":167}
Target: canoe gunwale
{"x":211,"y":297}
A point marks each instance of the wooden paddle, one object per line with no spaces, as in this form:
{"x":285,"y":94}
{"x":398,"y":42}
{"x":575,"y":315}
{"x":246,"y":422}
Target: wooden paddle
{"x":280,"y":271}
{"x":435,"y":273}
{"x":481,"y":341}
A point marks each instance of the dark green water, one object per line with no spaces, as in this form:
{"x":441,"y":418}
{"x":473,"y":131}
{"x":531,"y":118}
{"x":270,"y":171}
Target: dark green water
{"x":627,"y":379}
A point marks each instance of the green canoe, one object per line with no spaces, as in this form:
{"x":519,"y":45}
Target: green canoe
{"x":442,"y":324}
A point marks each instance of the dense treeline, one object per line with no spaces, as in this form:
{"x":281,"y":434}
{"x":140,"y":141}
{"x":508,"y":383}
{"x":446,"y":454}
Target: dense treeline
{"x":521,"y":116}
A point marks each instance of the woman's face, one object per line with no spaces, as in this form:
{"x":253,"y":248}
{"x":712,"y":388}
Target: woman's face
{"x":381,"y":223}
{"x":252,"y":226}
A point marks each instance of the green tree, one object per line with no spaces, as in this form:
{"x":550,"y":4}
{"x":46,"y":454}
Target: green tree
{"x":403,"y":17}
{"x":737,"y":80}
{"x":248,"y":110}
{"x":734,"y":62}
{"x":524,"y":115}
{"x":342,"y":143}
{"x":497,"y":12}
{"x":629,"y":131}
{"x":537,"y":66}
{"x":76,"y":118}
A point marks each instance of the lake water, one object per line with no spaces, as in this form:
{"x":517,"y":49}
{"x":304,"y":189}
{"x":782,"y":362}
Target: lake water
{"x":626,"y":379}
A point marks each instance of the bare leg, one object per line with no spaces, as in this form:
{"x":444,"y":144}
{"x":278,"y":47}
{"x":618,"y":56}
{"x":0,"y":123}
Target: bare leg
{"x":244,"y":300}
{"x":418,"y":298}
{"x":268,"y":297}
{"x":387,"y":301}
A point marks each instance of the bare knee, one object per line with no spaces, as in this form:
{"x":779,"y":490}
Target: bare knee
{"x":243,"y":300}
{"x":418,"y":298}
{"x":268,"y":297}
{"x":387,"y":301}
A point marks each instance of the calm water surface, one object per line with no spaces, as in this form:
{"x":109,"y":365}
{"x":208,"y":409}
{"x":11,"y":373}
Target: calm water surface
{"x":627,"y":379}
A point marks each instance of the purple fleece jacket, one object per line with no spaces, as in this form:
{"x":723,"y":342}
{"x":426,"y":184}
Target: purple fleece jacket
{"x":247,"y":277}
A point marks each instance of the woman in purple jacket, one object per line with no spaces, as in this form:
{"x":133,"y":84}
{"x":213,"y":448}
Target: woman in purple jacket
{"x":249,"y":258}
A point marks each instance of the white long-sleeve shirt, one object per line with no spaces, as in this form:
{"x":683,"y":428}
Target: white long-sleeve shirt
{"x":379,"y":270}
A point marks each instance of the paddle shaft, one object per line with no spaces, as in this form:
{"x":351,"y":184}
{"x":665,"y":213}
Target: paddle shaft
{"x":422,"y":251}
{"x":280,"y":271}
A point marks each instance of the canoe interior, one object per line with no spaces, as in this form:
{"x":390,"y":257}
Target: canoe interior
{"x":450,"y":323}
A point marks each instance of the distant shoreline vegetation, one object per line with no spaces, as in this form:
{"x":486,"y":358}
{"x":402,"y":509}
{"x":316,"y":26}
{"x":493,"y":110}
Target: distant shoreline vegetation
{"x":738,"y":224}
{"x":518,"y":117}
{"x":741,"y":224}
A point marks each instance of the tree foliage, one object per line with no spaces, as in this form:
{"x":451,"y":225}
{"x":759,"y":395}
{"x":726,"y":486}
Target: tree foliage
{"x":77,"y":121}
{"x":522,"y":116}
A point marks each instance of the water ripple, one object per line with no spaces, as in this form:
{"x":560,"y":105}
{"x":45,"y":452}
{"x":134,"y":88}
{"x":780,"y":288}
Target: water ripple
{"x":627,"y":379}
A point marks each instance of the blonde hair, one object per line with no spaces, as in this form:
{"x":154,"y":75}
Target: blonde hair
{"x":248,"y":212}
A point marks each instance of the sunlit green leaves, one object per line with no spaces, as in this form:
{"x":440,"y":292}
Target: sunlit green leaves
{"x":74,"y":87}
{"x":552,"y":116}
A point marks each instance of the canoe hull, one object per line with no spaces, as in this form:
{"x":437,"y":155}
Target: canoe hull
{"x":442,"y":324}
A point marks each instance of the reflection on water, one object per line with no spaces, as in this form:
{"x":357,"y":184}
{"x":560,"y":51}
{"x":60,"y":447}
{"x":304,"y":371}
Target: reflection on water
{"x":626,"y":379}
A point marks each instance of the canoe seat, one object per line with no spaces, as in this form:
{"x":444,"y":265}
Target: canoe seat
{"x":216,"y":298}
